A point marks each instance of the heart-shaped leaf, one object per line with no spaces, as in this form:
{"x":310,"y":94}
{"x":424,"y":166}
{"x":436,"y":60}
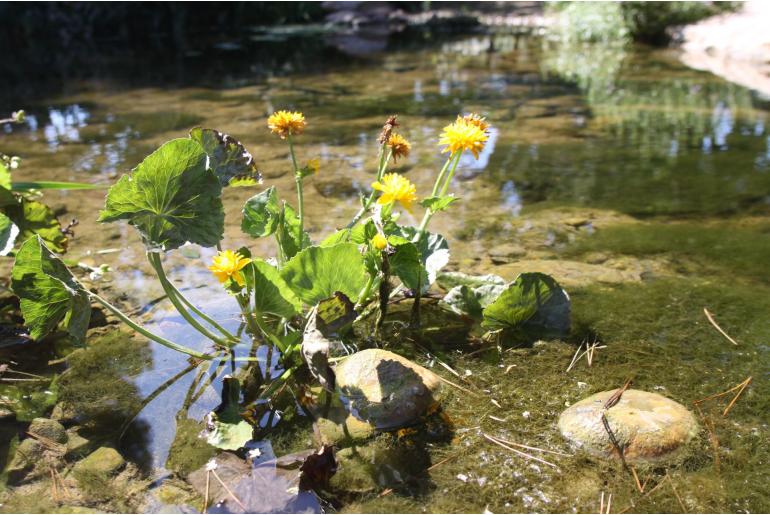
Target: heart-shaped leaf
{"x":261,"y":214}
{"x":228,"y":158}
{"x":171,"y":198}
{"x":271,"y":293}
{"x":534,"y":301}
{"x":406,"y":264}
{"x":48,"y":292}
{"x":35,"y":218}
{"x":317,"y":272}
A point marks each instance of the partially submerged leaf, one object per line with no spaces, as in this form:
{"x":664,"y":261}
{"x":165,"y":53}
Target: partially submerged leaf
{"x":317,"y":273}
{"x":225,"y":427}
{"x":35,"y":218}
{"x":533,"y":302}
{"x":228,"y":158}
{"x":448,"y":280}
{"x":48,"y":293}
{"x":8,"y":233}
{"x":470,"y":294}
{"x":171,"y":198}
{"x":261,"y":214}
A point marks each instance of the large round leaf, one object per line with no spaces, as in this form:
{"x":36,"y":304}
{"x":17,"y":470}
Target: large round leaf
{"x":171,"y":198}
{"x":8,"y":233}
{"x":228,"y":158}
{"x":35,"y":218}
{"x":48,"y":293}
{"x":317,"y":272}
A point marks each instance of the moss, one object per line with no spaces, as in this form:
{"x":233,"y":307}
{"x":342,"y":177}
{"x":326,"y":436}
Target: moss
{"x":188,"y":452}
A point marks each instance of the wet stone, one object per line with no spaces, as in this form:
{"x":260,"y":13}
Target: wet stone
{"x":104,"y":460}
{"x":29,"y":452}
{"x":76,"y":444}
{"x":384,"y":389}
{"x":49,"y":429}
{"x":506,"y":253}
{"x":648,"y":426}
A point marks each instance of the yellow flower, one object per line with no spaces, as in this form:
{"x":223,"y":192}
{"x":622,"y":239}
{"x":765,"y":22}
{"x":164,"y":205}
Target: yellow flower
{"x":395,"y":187}
{"x":228,"y":264}
{"x":379,"y":241}
{"x":399,"y":146}
{"x":463,"y":135}
{"x":474,"y":119}
{"x":285,"y":123}
{"x":314,"y":165}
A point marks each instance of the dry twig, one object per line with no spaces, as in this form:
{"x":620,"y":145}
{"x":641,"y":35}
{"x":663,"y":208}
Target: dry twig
{"x":716,"y":326}
{"x":523,"y":454}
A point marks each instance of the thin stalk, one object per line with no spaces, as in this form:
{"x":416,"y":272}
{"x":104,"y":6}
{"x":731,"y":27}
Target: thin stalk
{"x":147,"y":334}
{"x":451,"y":174}
{"x":365,"y":292}
{"x":300,"y":198}
{"x":428,"y":214}
{"x":180,"y":307}
{"x":380,"y":172}
{"x":194,"y":309}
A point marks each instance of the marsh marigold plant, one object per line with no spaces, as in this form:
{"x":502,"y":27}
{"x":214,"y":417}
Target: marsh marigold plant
{"x":396,"y":188}
{"x":466,"y":133}
{"x":285,"y":123}
{"x":399,"y":146}
{"x":228,"y":265}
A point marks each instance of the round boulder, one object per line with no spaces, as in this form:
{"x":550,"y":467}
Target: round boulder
{"x":647,"y":426}
{"x":384,"y":389}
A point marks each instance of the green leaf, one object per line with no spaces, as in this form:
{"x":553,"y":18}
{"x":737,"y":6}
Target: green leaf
{"x":533,"y":302}
{"x":469,"y":294}
{"x":228,"y":158}
{"x":406,"y":264}
{"x":171,"y":198}
{"x":289,"y":232}
{"x":436,"y":204}
{"x":271,"y":293}
{"x":5,"y":176}
{"x":225,"y":427}
{"x":261,"y":214}
{"x":434,"y":250}
{"x":335,"y":313}
{"x":362,"y":233}
{"x":54,"y":185}
{"x":48,"y":292}
{"x":317,"y":272}
{"x":8,"y":233}
{"x":35,"y":218}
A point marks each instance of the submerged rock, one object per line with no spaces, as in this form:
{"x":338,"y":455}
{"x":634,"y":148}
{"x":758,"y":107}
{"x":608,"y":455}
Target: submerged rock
{"x":384,"y":389}
{"x":104,"y":460}
{"x":648,"y":426}
{"x":47,"y":428}
{"x":28,"y":453}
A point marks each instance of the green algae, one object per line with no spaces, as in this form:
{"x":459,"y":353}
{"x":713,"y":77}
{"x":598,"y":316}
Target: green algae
{"x":189,"y":451}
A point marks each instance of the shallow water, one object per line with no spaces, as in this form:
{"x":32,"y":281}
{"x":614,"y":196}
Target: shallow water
{"x":641,"y":185}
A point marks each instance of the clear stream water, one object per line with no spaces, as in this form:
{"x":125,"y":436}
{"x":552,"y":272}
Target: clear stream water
{"x":641,"y":185}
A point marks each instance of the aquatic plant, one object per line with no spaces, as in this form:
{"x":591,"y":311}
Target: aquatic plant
{"x":309,"y":294}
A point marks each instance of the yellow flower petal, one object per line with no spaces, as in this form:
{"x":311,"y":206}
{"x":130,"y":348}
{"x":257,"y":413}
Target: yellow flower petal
{"x":227,"y":264}
{"x":396,"y":188}
{"x":467,"y":133}
{"x":379,"y":241}
{"x":285,"y":123}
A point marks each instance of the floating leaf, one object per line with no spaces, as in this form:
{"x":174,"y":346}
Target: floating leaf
{"x":533,"y":302}
{"x":261,"y":214}
{"x":317,"y":273}
{"x":171,"y":198}
{"x":271,"y":293}
{"x":436,"y":204}
{"x":35,"y":218}
{"x":228,"y":158}
{"x":8,"y":233}
{"x":48,"y":292}
{"x":225,"y":427}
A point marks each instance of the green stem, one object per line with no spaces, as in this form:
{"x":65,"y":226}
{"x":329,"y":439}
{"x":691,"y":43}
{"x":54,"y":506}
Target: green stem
{"x":300,"y":198}
{"x":194,"y":309}
{"x":380,"y":172}
{"x":154,"y":259}
{"x":365,"y":292}
{"x":454,"y":159}
{"x":147,"y":334}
